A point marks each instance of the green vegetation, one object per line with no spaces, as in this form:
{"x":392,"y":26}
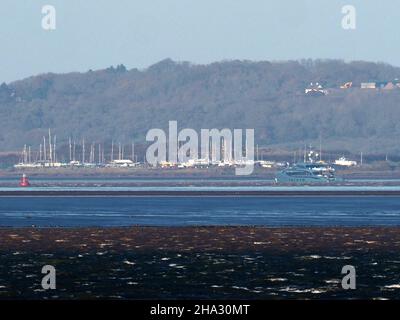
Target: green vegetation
{"x":121,"y":104}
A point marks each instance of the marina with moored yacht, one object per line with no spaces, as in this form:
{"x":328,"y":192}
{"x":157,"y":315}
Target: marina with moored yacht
{"x":313,"y":169}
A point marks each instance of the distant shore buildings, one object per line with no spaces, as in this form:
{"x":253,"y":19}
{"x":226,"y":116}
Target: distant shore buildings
{"x":384,"y":85}
{"x":316,"y":89}
{"x":91,"y":157}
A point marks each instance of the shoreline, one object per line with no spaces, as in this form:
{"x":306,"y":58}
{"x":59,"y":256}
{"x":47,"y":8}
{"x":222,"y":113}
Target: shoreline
{"x":202,"y":238}
{"x":199,"y":193}
{"x":200,"y":262}
{"x":366,"y":172}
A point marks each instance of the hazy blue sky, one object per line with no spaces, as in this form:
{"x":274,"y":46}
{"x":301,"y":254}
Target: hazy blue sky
{"x":93,"y":34}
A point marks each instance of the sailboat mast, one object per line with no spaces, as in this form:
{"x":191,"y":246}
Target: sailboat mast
{"x":83,"y":150}
{"x":73,"y":151}
{"x":44,"y":149}
{"x":112,"y":150}
{"x":50,"y":151}
{"x":70,"y":150}
{"x":54,"y":149}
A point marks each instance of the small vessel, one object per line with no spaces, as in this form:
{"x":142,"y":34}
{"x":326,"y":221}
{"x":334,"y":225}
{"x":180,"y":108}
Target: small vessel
{"x":24,"y":182}
{"x":343,"y":162}
{"x":307,"y":172}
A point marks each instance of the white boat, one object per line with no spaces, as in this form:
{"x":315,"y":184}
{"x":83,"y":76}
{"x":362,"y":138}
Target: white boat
{"x":342,"y":161}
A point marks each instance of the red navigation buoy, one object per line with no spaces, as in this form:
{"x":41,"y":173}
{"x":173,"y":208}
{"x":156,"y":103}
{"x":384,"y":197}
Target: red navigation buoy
{"x":24,"y":182}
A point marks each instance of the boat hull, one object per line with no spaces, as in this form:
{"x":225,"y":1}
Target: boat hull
{"x":285,"y":178}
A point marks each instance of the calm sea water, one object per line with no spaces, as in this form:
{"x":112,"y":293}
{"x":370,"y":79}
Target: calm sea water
{"x":185,"y":211}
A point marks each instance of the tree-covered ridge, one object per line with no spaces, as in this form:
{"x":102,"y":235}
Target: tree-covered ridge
{"x":120,"y":104}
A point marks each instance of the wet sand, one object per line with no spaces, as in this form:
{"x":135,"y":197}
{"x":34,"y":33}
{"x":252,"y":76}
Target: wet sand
{"x":195,"y":239}
{"x":200,"y":262}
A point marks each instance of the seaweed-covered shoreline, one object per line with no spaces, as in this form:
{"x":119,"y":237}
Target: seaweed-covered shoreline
{"x":207,"y":238}
{"x":200,"y":262}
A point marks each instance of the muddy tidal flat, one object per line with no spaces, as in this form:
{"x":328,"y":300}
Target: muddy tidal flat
{"x":200,"y":262}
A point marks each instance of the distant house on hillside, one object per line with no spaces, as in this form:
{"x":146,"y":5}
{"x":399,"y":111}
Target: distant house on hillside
{"x":395,"y":84}
{"x":389,"y":86}
{"x":346,"y":85}
{"x":381,"y":85}
{"x":368,"y":85}
{"x":315,"y":90}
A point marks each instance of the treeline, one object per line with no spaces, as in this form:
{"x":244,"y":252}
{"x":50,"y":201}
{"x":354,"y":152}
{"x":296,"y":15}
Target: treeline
{"x":122,"y":105}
